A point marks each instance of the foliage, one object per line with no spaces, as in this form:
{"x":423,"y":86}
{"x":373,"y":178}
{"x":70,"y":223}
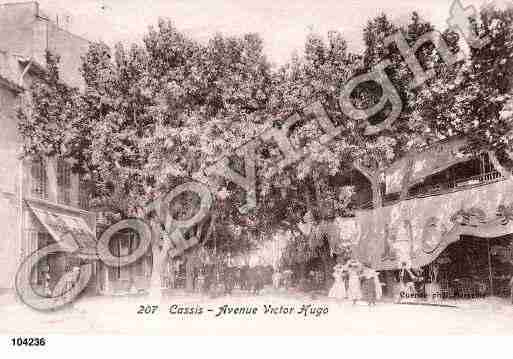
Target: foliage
{"x":157,"y":115}
{"x":471,"y":100}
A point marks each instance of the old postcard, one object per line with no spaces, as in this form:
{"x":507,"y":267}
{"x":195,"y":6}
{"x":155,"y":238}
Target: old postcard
{"x":255,"y":167}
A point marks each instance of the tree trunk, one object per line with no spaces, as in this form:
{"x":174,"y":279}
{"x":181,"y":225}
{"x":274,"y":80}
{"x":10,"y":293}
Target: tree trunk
{"x":405,"y":183}
{"x":318,"y":200}
{"x":189,"y":275}
{"x":156,"y":274}
{"x":377,"y":199}
{"x":373,"y":178}
{"x":325,"y":265}
{"x":159,"y":259}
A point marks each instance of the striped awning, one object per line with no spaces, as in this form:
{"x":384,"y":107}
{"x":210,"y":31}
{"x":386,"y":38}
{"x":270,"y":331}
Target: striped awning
{"x":71,"y":232}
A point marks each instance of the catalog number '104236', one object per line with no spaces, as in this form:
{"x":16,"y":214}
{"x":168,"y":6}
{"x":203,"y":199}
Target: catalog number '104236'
{"x":28,"y":342}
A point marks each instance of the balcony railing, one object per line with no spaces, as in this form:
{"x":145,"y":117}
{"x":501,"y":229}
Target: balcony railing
{"x":441,"y":188}
{"x":458,"y":184}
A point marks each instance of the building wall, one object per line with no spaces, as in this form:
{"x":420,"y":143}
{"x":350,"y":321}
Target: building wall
{"x":71,"y":48}
{"x":16,"y":22}
{"x":9,"y":187}
{"x":9,"y":139}
{"x":10,"y":239}
{"x":26,"y":34}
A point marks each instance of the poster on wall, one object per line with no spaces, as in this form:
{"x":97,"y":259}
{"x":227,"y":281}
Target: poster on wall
{"x":418,"y":230}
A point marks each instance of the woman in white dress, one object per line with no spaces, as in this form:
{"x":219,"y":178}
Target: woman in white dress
{"x":355,"y":290}
{"x":338,"y":291}
{"x":276,"y":278}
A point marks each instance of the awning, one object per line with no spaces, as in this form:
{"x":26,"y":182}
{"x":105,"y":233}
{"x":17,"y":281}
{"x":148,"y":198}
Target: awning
{"x":71,"y":232}
{"x":416,"y":231}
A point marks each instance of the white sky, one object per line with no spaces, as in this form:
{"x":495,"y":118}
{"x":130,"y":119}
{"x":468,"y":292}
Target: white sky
{"x":282,"y":23}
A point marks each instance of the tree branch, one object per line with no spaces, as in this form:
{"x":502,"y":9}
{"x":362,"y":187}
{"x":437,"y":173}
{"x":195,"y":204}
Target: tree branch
{"x":211,"y":227}
{"x":406,"y":179}
{"x":370,"y":175}
{"x":373,"y":178}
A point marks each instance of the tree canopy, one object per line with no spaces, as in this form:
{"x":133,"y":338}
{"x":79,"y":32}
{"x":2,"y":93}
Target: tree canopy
{"x":158,"y":114}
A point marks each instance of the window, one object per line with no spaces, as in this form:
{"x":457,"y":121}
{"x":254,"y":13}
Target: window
{"x":124,"y":250}
{"x":122,"y":245}
{"x":43,"y":266}
{"x":64,"y":182}
{"x":83,"y":194}
{"x":39,"y":179}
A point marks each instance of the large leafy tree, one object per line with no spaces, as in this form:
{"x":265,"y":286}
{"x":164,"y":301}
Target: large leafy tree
{"x":304,"y":197}
{"x":206,"y":97}
{"x":382,"y":38}
{"x":153,"y":117}
{"x":158,"y":115}
{"x":473,"y":100}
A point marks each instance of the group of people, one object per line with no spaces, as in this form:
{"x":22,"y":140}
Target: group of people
{"x":282,"y":279}
{"x":355,"y":281}
{"x":222,"y":280}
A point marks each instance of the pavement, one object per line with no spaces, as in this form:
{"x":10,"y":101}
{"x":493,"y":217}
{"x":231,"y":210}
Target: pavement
{"x":272,"y":313}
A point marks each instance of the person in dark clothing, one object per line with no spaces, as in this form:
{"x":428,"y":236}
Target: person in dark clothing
{"x":511,"y":288}
{"x":405,"y":275}
{"x":418,"y":282}
{"x":209,"y":278}
{"x":406,"y":282}
{"x":370,"y":282}
{"x":229,"y":280}
{"x":244,"y":278}
{"x":256,"y":281}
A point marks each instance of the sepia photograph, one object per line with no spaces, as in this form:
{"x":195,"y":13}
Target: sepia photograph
{"x":248,"y":168}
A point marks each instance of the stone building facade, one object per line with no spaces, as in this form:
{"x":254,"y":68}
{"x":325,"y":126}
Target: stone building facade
{"x":40,"y":199}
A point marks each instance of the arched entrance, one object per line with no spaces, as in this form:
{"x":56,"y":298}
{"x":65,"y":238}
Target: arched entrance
{"x":476,"y":267}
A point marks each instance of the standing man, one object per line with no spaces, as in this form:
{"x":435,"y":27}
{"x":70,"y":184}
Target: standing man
{"x":511,"y":288}
{"x":229,"y":279}
{"x":172,"y":273}
{"x":406,"y":280}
